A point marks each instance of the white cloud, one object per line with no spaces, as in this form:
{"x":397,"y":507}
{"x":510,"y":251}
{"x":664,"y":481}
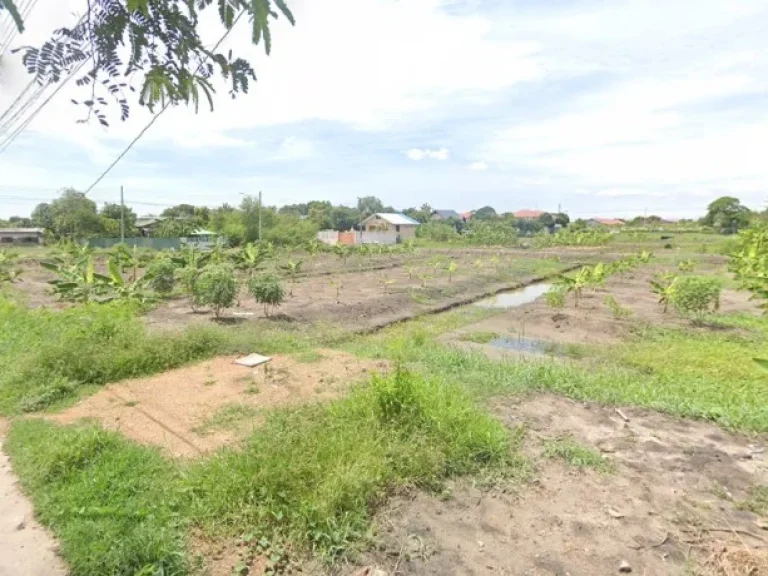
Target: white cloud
{"x":478,"y":166}
{"x":420,"y":154}
{"x":293,"y":148}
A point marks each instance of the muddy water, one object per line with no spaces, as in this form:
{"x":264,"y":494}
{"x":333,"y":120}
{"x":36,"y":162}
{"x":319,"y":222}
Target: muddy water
{"x":515,"y":298}
{"x":527,"y":345}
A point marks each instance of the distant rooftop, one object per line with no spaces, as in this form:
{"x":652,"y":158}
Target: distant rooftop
{"x":447,"y":214}
{"x":528,"y":213}
{"x":394,"y":218}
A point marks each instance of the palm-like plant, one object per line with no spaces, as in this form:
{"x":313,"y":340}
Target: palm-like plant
{"x":664,"y":287}
{"x":452,"y":267}
{"x":8,"y":271}
{"x":293,"y":267}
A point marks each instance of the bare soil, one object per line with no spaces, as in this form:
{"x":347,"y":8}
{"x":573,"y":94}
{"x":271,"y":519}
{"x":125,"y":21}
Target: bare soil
{"x":199,"y":408}
{"x":366,"y":300}
{"x":670,"y":508}
{"x":593,"y":322}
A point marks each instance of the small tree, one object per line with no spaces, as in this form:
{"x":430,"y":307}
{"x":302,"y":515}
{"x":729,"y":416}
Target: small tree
{"x":266,"y":290}
{"x":162,"y":276}
{"x":695,"y":295}
{"x":216,"y":287}
{"x":664,"y":287}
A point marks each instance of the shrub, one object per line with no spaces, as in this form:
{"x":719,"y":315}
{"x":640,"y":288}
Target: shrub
{"x":162,"y":276}
{"x":696,"y":295}
{"x":266,"y":290}
{"x":216,"y":287}
{"x":437,"y":232}
{"x":555,"y":297}
{"x":188,"y":276}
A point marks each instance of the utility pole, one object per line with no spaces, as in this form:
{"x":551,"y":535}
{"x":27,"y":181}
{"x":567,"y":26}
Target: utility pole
{"x":259,"y":215}
{"x":122,"y":217}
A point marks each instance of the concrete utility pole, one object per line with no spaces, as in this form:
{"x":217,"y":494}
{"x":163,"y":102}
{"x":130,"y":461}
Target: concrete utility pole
{"x":122,"y":217}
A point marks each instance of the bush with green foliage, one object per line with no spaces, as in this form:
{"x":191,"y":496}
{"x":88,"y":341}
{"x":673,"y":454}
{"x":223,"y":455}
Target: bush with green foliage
{"x":491,"y":233}
{"x":266,"y":290}
{"x":162,"y":276}
{"x":555,"y":297}
{"x":437,"y":232}
{"x":216,"y":287}
{"x":696,"y":295}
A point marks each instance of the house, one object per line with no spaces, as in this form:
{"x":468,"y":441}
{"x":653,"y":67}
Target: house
{"x":387,"y":228}
{"x":467,"y":216}
{"x":611,"y":222}
{"x":21,"y":235}
{"x":445,"y":215}
{"x":527,"y":214}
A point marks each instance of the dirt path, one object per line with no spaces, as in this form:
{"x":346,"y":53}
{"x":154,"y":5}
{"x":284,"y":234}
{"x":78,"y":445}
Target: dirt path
{"x":25,"y":547}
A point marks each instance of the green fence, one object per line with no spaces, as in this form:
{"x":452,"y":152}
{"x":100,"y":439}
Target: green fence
{"x":141,"y":242}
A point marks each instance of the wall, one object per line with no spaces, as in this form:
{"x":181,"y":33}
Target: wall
{"x":328,"y":236}
{"x":377,"y":224}
{"x":139,"y":242}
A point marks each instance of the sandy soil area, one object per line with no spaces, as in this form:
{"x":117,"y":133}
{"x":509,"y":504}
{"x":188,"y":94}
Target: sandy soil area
{"x":196,"y":409}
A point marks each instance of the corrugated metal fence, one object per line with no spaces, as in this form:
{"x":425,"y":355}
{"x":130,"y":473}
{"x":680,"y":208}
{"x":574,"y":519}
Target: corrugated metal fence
{"x":140,"y":242}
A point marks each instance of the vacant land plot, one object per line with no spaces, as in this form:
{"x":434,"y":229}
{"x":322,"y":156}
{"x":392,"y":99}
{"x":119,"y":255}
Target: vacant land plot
{"x":623,"y":437}
{"x":198,"y":408}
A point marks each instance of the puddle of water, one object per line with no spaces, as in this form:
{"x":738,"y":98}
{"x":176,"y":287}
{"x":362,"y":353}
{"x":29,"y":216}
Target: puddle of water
{"x":529,"y":345}
{"x":515,"y":298}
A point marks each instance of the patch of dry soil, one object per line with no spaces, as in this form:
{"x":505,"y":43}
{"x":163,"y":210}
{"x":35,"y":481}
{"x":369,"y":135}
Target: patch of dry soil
{"x":172,"y":409}
{"x":669,"y":508}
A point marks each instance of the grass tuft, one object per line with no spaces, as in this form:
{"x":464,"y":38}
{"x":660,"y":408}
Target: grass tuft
{"x":578,"y":455}
{"x":478,"y":337}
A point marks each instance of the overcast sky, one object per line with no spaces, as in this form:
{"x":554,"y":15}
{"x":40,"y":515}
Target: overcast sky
{"x":606,"y":108}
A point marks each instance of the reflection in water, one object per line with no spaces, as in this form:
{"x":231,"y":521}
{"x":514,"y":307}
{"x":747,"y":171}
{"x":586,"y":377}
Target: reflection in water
{"x":529,"y":345}
{"x":515,"y":298}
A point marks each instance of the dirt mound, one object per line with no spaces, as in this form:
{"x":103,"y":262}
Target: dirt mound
{"x":198,"y":408}
{"x":670,"y":506}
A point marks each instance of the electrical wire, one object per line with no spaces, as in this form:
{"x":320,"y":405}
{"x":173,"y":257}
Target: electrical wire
{"x":9,"y":140}
{"x":156,"y":116}
{"x":24,"y":11}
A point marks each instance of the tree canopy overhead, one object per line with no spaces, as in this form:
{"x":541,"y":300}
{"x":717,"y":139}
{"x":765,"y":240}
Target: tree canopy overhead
{"x":154,"y":41}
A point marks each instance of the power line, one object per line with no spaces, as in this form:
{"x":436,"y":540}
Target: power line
{"x":24,"y":11}
{"x":162,"y":110}
{"x":9,"y":140}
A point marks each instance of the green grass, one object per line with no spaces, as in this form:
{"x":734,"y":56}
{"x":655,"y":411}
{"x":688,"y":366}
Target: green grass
{"x":314,"y":474}
{"x":310,"y":477}
{"x":478,"y":337}
{"x":756,"y":501}
{"x":48,"y":358}
{"x":309,"y":357}
{"x":703,"y":373}
{"x":575,"y":454}
{"x":228,"y":417}
{"x":113,"y":506}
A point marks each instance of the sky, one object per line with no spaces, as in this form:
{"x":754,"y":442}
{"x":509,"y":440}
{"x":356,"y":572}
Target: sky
{"x":600,"y":108}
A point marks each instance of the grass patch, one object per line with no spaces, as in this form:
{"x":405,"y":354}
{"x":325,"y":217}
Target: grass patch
{"x":227,"y":418}
{"x":113,"y":505}
{"x":314,"y":474}
{"x":578,"y":455}
{"x":700,"y":373}
{"x":310,"y":477}
{"x":757,"y":501}
{"x":308,"y":357}
{"x":48,"y":358}
{"x":478,"y":337}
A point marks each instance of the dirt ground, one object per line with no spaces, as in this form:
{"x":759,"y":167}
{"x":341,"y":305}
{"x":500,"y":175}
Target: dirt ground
{"x":196,"y":409}
{"x":366,"y":300}
{"x":593,"y":322}
{"x":670,"y":507}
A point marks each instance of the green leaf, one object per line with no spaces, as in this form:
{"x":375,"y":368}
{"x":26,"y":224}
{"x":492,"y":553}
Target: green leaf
{"x":283,"y":7}
{"x":11,"y":7}
{"x":762,"y":362}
